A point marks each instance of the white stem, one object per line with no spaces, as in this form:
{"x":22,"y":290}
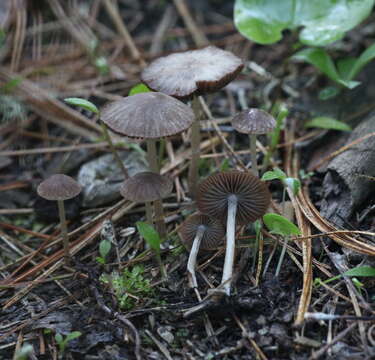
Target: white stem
{"x":231,"y":244}
{"x":193,"y":256}
{"x":253,"y":151}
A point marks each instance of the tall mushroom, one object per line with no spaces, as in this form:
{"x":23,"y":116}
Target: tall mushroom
{"x":146,"y":187}
{"x":60,"y":187}
{"x":197,"y":232}
{"x":189,"y":74}
{"x":149,"y":116}
{"x":254,"y":122}
{"x":237,"y":198}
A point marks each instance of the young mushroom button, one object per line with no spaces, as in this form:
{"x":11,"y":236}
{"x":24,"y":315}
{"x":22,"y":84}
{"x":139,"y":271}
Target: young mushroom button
{"x":189,"y":74}
{"x":253,"y":122}
{"x":60,"y":187}
{"x":200,"y":232}
{"x":237,"y":198}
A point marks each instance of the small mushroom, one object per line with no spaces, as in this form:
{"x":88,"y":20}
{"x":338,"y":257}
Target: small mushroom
{"x":237,"y":198}
{"x":254,"y":122}
{"x":190,"y":74}
{"x":146,"y":187}
{"x":149,"y":116}
{"x":200,"y":231}
{"x":60,"y":187}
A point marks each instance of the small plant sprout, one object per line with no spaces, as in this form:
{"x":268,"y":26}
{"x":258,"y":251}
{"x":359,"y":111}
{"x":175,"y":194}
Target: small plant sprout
{"x":237,"y":198}
{"x":254,"y":122}
{"x":153,"y":239}
{"x":87,"y":105}
{"x":149,"y":116}
{"x":60,"y":187}
{"x":147,"y":187}
{"x":63,"y":342}
{"x":288,"y":183}
{"x":279,"y":225}
{"x":200,"y":232}
{"x":24,"y":352}
{"x":187,"y":75}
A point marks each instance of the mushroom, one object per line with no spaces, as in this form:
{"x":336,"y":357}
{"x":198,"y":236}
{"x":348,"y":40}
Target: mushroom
{"x":190,"y":74}
{"x":254,"y":122}
{"x":237,"y":198}
{"x":149,"y":116}
{"x":200,"y":231}
{"x":146,"y":187}
{"x":60,"y":187}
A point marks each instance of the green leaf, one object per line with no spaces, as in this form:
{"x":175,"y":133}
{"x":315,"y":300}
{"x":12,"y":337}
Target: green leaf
{"x":345,"y":66}
{"x":293,"y":184}
{"x":73,"y":335}
{"x":364,"y":59}
{"x":274,"y":174}
{"x":278,"y":224}
{"x":100,"y":260}
{"x":361,"y":271}
{"x":104,"y":248}
{"x":139,"y":88}
{"x":321,"y":60}
{"x":322,"y":21}
{"x":327,"y":123}
{"x":149,"y":233}
{"x":329,"y":92}
{"x":83,"y":103}
{"x":59,"y":338}
{"x":257,"y":227}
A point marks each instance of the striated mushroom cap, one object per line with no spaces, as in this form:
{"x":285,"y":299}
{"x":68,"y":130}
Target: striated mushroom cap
{"x":59,"y":187}
{"x":146,"y":186}
{"x":252,"y":195}
{"x":213,"y":236}
{"x":254,"y":121}
{"x":192,"y":72}
{"x":147,"y":116}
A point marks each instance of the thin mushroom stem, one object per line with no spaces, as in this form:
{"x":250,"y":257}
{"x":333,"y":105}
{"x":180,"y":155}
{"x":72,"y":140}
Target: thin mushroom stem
{"x":231,"y":245}
{"x":195,"y":148}
{"x":158,"y":205}
{"x":253,"y":152}
{"x":113,"y":149}
{"x":64,"y":230}
{"x":148,"y":212}
{"x":193,"y":256}
{"x":281,"y":258}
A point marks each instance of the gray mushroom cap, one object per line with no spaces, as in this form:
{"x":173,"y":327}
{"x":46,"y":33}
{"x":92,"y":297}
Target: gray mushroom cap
{"x":146,"y":186}
{"x":149,"y":115}
{"x":253,"y":121}
{"x":192,"y":72}
{"x":59,"y":187}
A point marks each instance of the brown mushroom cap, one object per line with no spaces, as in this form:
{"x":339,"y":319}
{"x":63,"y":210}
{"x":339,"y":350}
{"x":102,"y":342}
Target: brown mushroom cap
{"x":192,"y":72}
{"x":147,"y":116}
{"x":146,"y":186}
{"x":252,"y":194}
{"x":213,"y":235}
{"x":59,"y":187}
{"x":254,"y":121}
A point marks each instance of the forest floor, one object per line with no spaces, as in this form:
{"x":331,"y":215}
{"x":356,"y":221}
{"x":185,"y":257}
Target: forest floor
{"x":122,"y":309}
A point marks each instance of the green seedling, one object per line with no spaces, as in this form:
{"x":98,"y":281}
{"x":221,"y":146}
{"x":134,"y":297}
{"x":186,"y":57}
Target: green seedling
{"x":324,"y":122}
{"x":281,"y":226}
{"x":63,"y":341}
{"x":129,"y":285}
{"x":87,"y":105}
{"x":360,"y":271}
{"x":138,"y":89}
{"x":24,"y":352}
{"x":104,"y":249}
{"x":153,"y":239}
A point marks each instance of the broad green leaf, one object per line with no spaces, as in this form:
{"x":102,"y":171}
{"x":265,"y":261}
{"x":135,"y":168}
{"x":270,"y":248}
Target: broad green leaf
{"x":364,"y":59}
{"x":327,"y":123}
{"x":361,"y":271}
{"x":345,"y":66}
{"x":293,"y":184}
{"x":322,"y":21}
{"x":321,"y":60}
{"x":104,"y":248}
{"x":139,"y":88}
{"x":59,"y":338}
{"x":278,"y":224}
{"x":274,"y":174}
{"x":73,"y":335}
{"x":329,"y":92}
{"x":149,"y":233}
{"x":83,"y":103}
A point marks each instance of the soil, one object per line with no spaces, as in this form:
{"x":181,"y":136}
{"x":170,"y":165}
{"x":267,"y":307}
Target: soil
{"x":121,"y":306}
